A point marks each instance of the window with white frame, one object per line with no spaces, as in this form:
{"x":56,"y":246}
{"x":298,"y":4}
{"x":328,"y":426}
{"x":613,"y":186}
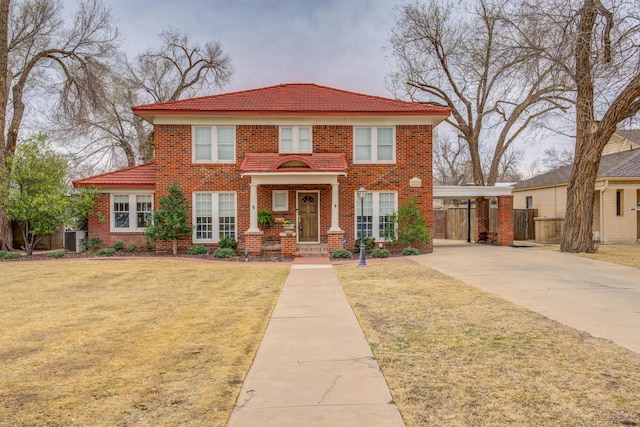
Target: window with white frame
{"x":374,"y":145}
{"x":214,"y":144}
{"x":214,"y":216}
{"x":295,"y":139}
{"x":280,"y":200}
{"x":131,"y":212}
{"x":378,"y":209}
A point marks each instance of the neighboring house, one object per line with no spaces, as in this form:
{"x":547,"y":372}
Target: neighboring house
{"x":617,"y":192}
{"x":299,"y":150}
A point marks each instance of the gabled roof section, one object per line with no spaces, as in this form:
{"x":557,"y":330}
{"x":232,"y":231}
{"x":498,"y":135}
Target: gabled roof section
{"x":278,"y":163}
{"x":632,"y":135}
{"x":142,"y":176}
{"x":297,"y":99}
{"x":625,"y":164}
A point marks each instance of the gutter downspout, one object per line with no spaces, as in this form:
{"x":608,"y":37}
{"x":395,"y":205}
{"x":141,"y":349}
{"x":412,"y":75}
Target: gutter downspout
{"x":602,"y":190}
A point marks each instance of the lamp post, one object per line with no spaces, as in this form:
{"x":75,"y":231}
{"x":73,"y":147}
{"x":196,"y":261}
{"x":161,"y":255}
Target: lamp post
{"x":361,"y":195}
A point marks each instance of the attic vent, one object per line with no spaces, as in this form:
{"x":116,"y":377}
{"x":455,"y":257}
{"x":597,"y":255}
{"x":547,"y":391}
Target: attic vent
{"x":294,"y":164}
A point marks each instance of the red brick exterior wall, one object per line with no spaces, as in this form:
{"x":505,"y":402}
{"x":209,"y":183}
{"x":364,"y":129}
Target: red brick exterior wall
{"x":173,"y":147}
{"x":439,"y":224}
{"x":505,"y":220}
{"x":288,"y":244}
{"x":482,"y":213}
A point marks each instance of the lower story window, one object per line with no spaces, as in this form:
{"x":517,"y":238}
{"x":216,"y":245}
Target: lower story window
{"x":214,"y":216}
{"x":377,"y":216}
{"x":131,"y":212}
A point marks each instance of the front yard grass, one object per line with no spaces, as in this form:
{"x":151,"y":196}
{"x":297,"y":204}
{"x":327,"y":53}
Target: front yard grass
{"x":142,"y":342}
{"x":454,"y":355}
{"x":619,"y":254}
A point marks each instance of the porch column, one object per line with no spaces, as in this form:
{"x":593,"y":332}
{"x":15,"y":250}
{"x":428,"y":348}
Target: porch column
{"x":335,"y":211}
{"x":253,"y":208}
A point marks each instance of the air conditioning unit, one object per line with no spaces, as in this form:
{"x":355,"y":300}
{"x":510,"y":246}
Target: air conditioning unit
{"x":596,"y":236}
{"x":73,"y":240}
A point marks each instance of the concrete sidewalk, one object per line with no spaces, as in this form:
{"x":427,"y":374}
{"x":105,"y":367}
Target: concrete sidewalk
{"x":598,"y":297}
{"x":314,"y":366}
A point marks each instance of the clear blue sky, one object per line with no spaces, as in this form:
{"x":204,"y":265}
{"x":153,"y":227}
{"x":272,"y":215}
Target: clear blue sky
{"x":335,"y":43}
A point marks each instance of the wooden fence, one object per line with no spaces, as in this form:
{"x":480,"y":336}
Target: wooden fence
{"x":456,"y":224}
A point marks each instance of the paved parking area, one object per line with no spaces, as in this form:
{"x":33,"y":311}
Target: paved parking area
{"x":593,"y":296}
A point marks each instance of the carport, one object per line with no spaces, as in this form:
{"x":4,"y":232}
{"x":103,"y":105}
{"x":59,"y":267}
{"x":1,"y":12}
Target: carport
{"x":482,"y":195}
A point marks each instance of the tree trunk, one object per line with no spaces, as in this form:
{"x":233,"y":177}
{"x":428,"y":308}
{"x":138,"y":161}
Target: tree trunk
{"x":578,"y":227}
{"x":175,"y":246}
{"x":5,"y":244}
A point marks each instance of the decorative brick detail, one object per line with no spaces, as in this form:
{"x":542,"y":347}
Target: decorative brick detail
{"x":505,"y":220}
{"x":288,"y":243}
{"x":253,"y":242}
{"x":335,"y":240}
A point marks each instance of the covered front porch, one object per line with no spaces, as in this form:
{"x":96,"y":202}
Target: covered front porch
{"x":302,"y":192}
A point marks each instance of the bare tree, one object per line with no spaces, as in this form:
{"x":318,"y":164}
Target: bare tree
{"x":37,"y":47}
{"x":462,"y":59}
{"x":555,"y":158}
{"x":451,"y":162}
{"x":598,"y":48}
{"x":176,"y":69}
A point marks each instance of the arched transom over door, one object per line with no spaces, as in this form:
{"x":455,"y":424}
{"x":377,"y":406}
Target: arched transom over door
{"x":307,"y":217}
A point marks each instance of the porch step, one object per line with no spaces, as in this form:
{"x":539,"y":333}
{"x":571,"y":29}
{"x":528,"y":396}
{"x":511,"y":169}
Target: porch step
{"x":312,"y":250}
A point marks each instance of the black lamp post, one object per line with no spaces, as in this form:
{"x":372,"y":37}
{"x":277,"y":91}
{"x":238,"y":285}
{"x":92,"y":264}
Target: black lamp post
{"x":361,"y":195}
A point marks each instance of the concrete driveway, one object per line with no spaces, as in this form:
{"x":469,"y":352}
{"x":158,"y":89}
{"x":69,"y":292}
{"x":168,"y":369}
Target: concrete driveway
{"x":593,"y":296}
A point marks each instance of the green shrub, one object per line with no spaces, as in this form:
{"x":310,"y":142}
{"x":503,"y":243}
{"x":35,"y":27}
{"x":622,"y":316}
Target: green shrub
{"x":410,"y":252}
{"x":56,"y":254}
{"x":106,"y":252}
{"x":369,"y":244}
{"x":198,"y":250}
{"x":10,"y":255}
{"x":92,"y":243}
{"x":380,"y":253}
{"x":132,"y":248}
{"x":341,"y":254}
{"x":228,"y":242}
{"x":118,"y":246}
{"x":224,"y":253}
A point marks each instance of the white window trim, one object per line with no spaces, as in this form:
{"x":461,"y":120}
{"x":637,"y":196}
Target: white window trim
{"x":133,"y":213}
{"x":273,"y":201}
{"x":374,"y":145}
{"x":214,"y":145}
{"x":295,"y":137}
{"x":215,"y":211}
{"x":376,"y":213}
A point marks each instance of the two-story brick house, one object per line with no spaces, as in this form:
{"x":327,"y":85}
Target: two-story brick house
{"x":299,"y":150}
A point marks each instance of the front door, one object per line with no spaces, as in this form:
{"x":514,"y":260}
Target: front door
{"x":308,"y":217}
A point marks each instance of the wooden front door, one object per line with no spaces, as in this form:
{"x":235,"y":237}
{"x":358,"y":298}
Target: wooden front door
{"x":308,"y":217}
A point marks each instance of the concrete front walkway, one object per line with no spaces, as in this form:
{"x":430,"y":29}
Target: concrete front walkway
{"x":593,"y":296}
{"x":314,"y":366}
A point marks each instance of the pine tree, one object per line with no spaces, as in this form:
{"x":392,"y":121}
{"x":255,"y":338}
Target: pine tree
{"x":171,"y":221}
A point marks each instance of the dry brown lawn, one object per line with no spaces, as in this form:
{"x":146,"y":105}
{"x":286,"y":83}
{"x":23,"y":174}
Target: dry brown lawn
{"x":454,"y":355}
{"x":142,"y":342}
{"x":619,"y":254}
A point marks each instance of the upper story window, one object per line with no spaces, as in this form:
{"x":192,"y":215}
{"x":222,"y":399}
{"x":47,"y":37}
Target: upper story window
{"x":295,"y":139}
{"x":374,"y":145}
{"x":214,"y":144}
{"x":131,"y":212}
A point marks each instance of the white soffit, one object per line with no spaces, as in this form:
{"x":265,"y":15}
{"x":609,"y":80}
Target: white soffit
{"x":468,"y":191}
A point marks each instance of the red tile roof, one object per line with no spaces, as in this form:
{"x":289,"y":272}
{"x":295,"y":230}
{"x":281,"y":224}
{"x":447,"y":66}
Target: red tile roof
{"x":274,"y":162}
{"x":142,"y":176}
{"x":292,"y":99}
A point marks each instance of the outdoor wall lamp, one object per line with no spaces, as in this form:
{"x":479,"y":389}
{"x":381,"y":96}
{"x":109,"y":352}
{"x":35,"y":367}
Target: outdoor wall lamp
{"x":361,"y":195}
